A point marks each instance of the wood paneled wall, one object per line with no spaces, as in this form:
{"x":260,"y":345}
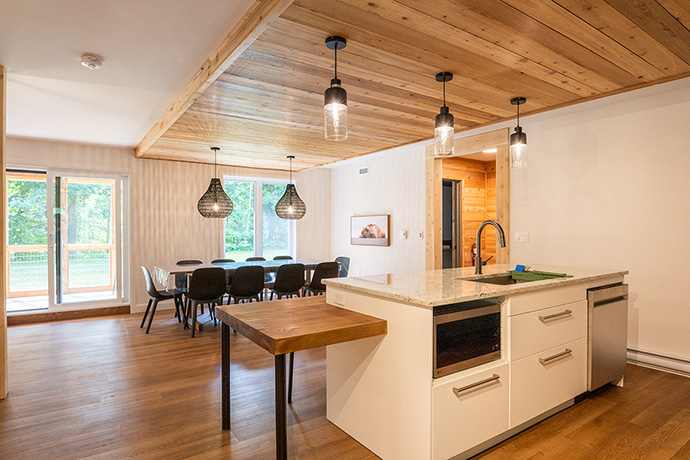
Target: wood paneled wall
{"x":478,"y":203}
{"x":4,"y":371}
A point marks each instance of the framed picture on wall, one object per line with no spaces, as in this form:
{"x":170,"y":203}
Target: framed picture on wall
{"x":370,"y":230}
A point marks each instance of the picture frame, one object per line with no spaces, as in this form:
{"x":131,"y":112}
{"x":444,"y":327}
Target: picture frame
{"x":370,"y":230}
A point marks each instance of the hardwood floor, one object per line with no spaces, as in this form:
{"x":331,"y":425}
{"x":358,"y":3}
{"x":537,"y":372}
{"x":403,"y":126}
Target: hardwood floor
{"x":101,"y":388}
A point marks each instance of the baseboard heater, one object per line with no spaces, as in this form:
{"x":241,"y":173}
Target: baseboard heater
{"x":657,"y":361}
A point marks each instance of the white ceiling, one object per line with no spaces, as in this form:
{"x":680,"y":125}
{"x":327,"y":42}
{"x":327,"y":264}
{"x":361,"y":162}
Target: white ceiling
{"x":151,"y":49}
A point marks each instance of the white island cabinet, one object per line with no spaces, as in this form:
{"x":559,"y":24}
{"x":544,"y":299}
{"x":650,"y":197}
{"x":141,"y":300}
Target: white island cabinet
{"x":381,"y":390}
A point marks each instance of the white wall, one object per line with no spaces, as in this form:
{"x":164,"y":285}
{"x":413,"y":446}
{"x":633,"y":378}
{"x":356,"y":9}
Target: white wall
{"x":607,"y":186}
{"x":314,"y":229}
{"x":395,"y":186}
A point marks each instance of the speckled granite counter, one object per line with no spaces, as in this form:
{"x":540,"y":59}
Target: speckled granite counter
{"x":441,"y":287}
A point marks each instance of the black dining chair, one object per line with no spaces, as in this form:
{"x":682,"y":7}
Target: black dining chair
{"x":344,"y":266}
{"x":247,"y":284}
{"x":323,"y":270}
{"x":181,"y":279}
{"x":289,"y":281}
{"x":228,"y":278}
{"x":255,"y":259}
{"x":207,"y":285}
{"x":282,"y":258}
{"x":156,"y":296}
{"x":222,"y":261}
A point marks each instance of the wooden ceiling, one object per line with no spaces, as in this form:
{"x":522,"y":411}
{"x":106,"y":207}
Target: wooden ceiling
{"x":259,"y":97}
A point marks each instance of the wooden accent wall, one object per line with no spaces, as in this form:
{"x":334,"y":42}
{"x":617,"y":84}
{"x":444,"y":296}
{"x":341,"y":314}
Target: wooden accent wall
{"x":478,"y":202}
{"x":4,"y":370}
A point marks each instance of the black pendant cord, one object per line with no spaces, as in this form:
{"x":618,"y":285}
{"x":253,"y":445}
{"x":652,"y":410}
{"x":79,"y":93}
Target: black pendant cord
{"x":336,"y":67}
{"x":215,"y":171}
{"x":291,"y":162}
{"x":444,"y":93}
{"x":518,"y":115}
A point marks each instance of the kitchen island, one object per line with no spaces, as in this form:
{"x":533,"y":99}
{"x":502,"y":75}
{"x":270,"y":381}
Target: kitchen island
{"x":392,"y":394}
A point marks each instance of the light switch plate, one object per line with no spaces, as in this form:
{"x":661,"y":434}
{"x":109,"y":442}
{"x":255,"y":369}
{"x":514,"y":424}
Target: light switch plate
{"x":522,"y":237}
{"x":403,"y":235}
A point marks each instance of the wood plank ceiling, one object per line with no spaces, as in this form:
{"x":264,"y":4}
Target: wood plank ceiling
{"x":269,"y":102}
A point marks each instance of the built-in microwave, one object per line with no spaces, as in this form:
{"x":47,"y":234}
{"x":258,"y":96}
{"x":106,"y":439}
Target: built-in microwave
{"x":466,"y":334}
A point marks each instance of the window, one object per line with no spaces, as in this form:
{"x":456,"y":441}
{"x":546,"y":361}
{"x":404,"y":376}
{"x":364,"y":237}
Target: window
{"x":253,"y":228}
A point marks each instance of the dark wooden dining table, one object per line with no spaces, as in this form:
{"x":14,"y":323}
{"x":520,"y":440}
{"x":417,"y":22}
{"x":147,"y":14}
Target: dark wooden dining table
{"x":230,"y":267}
{"x":284,"y":326}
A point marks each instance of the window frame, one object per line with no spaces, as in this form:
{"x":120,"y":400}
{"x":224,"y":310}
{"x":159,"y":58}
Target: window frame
{"x":258,"y":215}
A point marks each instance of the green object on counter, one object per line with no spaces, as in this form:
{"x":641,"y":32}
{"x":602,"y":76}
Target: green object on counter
{"x":537,"y":275}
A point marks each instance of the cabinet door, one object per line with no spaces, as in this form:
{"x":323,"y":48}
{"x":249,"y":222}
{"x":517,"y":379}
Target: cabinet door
{"x":546,"y":379}
{"x":469,"y":411}
{"x":547,"y":328}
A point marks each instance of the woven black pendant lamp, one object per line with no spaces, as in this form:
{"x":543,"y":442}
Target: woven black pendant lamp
{"x":215,"y":203}
{"x":290,"y":206}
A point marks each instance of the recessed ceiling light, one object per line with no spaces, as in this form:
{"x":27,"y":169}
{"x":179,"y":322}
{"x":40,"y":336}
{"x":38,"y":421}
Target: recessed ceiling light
{"x":494,"y":150}
{"x":91,"y":61}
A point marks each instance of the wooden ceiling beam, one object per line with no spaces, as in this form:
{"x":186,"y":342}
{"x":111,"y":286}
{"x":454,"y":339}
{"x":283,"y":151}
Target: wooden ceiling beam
{"x":257,"y":18}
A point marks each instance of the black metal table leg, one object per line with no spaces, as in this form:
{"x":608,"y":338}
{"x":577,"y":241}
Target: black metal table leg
{"x":292,"y":368}
{"x":281,"y":409}
{"x":225,"y":375}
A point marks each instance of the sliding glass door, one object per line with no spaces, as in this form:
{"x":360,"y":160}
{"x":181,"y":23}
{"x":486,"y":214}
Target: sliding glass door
{"x":253,"y":228}
{"x":67,"y":244}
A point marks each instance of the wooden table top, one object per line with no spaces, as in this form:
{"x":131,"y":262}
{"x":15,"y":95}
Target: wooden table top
{"x":284,"y":326}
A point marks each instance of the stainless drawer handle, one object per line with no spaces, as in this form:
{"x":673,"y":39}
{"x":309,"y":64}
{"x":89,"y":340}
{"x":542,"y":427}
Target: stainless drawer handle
{"x":555,"y":315}
{"x":493,"y":378}
{"x":567,"y":351}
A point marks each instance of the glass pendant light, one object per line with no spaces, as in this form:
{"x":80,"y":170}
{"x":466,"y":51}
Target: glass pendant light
{"x":445,"y":122}
{"x":290,"y":206}
{"x":518,"y":140}
{"x":215,"y":203}
{"x":335,"y":98}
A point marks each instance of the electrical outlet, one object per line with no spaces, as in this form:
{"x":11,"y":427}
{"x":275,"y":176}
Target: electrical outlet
{"x":421,"y":235}
{"x":338,"y":299}
{"x":522,"y":237}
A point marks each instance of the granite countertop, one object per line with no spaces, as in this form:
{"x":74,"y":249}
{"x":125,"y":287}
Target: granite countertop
{"x":440,"y":287}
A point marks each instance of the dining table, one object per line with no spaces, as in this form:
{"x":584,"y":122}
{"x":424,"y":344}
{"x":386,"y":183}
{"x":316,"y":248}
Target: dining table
{"x":230,"y":267}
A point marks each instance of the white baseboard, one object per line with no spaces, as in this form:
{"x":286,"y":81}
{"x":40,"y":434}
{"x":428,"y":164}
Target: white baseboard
{"x":655,"y":361}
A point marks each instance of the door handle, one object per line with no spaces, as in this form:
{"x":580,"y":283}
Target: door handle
{"x":51,"y":240}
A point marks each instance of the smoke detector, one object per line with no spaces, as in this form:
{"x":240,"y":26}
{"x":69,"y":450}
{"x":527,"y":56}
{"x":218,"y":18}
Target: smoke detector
{"x":91,"y":61}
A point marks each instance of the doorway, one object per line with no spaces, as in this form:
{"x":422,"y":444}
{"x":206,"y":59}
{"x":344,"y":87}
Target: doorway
{"x":452,"y":223}
{"x":434,"y":172}
{"x":66,"y":240}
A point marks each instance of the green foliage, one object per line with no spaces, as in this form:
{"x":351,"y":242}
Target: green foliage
{"x":239,"y":227}
{"x":88,"y":213}
{"x":26,"y":203}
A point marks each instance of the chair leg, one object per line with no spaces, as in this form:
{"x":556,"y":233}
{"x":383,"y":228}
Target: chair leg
{"x":178,"y":313}
{"x":292,"y":369}
{"x":212,"y":309}
{"x":146,"y":313}
{"x":194,"y":309}
{"x":153,"y":312}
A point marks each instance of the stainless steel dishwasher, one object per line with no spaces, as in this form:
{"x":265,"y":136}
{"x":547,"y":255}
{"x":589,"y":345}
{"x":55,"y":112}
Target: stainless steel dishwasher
{"x":608,"y":334}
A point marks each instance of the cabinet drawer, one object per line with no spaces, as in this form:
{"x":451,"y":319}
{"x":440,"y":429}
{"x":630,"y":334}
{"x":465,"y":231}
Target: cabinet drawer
{"x":547,"y":328}
{"x":461,"y":420}
{"x":525,"y":303}
{"x":540,"y":383}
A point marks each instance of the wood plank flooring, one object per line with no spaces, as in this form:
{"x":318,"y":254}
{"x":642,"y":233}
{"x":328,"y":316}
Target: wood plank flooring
{"x":101,"y":388}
